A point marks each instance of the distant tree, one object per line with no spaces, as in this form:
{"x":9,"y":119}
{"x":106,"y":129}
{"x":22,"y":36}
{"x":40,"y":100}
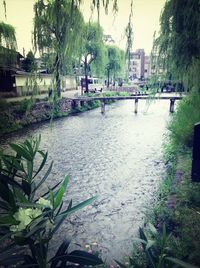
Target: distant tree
{"x":57,"y":27}
{"x":8,"y":43}
{"x":29,"y":63}
{"x":179,"y":39}
{"x":7,"y":36}
{"x":115,"y":62}
{"x":92,"y":47}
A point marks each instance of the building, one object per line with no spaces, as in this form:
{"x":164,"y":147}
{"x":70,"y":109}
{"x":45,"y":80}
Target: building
{"x":10,"y":63}
{"x":137,"y":65}
{"x":16,"y":82}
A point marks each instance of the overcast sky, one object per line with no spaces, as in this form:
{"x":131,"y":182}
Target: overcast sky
{"x":146,"y":15}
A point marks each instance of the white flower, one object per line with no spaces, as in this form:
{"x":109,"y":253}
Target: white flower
{"x":44,"y":202}
{"x":25,"y":216}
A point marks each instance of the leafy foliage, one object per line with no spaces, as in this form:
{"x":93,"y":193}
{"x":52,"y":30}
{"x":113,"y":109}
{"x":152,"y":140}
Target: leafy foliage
{"x":129,"y":36}
{"x":179,"y":41}
{"x":8,"y":44}
{"x":155,"y":247}
{"x":29,"y":220}
{"x":57,"y":27}
{"x":182,"y":124}
{"x":115,"y":62}
{"x":29,"y":63}
{"x":92,"y":47}
{"x":7,"y":36}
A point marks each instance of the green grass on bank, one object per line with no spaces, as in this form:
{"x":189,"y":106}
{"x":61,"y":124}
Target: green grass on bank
{"x":14,"y":115}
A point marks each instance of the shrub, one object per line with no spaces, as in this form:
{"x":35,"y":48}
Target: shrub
{"x":182,"y":124}
{"x":29,"y":219}
{"x":154,"y":250}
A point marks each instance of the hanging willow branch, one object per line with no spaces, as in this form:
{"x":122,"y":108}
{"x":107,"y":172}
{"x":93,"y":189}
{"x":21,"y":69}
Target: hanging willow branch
{"x":8,"y":44}
{"x":129,"y":35}
{"x":57,"y":27}
{"x":4,"y":6}
{"x":7,"y":36}
{"x":96,"y":4}
{"x":179,"y":40}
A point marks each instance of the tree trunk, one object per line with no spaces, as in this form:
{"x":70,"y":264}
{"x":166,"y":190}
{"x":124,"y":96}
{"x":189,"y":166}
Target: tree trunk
{"x":108,"y":77}
{"x":58,"y":79}
{"x":86,"y":75}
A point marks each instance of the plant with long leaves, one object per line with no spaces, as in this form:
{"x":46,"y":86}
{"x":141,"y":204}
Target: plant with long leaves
{"x":29,"y":219}
{"x":155,"y":247}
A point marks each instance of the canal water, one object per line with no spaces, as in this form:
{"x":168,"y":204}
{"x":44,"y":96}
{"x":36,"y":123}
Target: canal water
{"x":116,"y":157}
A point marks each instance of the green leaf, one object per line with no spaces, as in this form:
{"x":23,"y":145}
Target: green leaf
{"x":61,"y":251}
{"x":7,"y":221}
{"x":30,"y":170}
{"x":59,"y":196}
{"x":6,"y":194}
{"x":17,"y":164}
{"x":59,"y":209}
{"x":152,"y":229}
{"x":29,"y":147}
{"x":63,"y":247}
{"x":44,"y":178}
{"x":37,"y":143}
{"x":20,"y":150}
{"x":181,"y":263}
{"x":8,"y":164}
{"x":8,"y":180}
{"x":42,"y":164}
{"x":60,"y":193}
{"x":150,"y":243}
{"x":52,"y":189}
{"x":61,"y":217}
{"x":20,"y":196}
{"x":36,"y":226}
{"x":77,"y":207}
{"x":164,"y":233}
{"x":80,"y":257}
{"x":26,"y":187}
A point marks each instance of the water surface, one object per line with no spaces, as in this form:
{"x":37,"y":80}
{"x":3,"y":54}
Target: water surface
{"x":117,"y":157}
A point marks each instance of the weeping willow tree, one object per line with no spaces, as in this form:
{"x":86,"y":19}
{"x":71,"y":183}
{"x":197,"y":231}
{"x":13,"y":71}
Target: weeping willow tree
{"x":92,"y":48}
{"x":57,"y":28}
{"x":8,"y":44}
{"x":179,"y":41}
{"x":7,"y":36}
{"x":115,"y":62}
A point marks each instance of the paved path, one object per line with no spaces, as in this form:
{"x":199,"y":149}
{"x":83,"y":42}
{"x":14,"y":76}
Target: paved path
{"x":67,"y":94}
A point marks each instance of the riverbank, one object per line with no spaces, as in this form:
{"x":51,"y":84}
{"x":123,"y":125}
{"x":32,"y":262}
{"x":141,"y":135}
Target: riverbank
{"x":19,"y":114}
{"x":176,"y":215}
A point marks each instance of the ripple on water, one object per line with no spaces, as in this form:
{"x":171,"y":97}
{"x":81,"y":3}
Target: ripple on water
{"x":116,"y":157}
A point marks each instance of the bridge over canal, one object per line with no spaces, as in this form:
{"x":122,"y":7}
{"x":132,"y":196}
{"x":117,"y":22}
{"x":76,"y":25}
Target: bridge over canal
{"x":75,"y":101}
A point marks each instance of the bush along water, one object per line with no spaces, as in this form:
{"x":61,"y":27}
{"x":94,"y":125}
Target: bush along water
{"x":28,"y":220}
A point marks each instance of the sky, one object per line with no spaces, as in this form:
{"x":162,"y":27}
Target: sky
{"x":146,"y":15}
